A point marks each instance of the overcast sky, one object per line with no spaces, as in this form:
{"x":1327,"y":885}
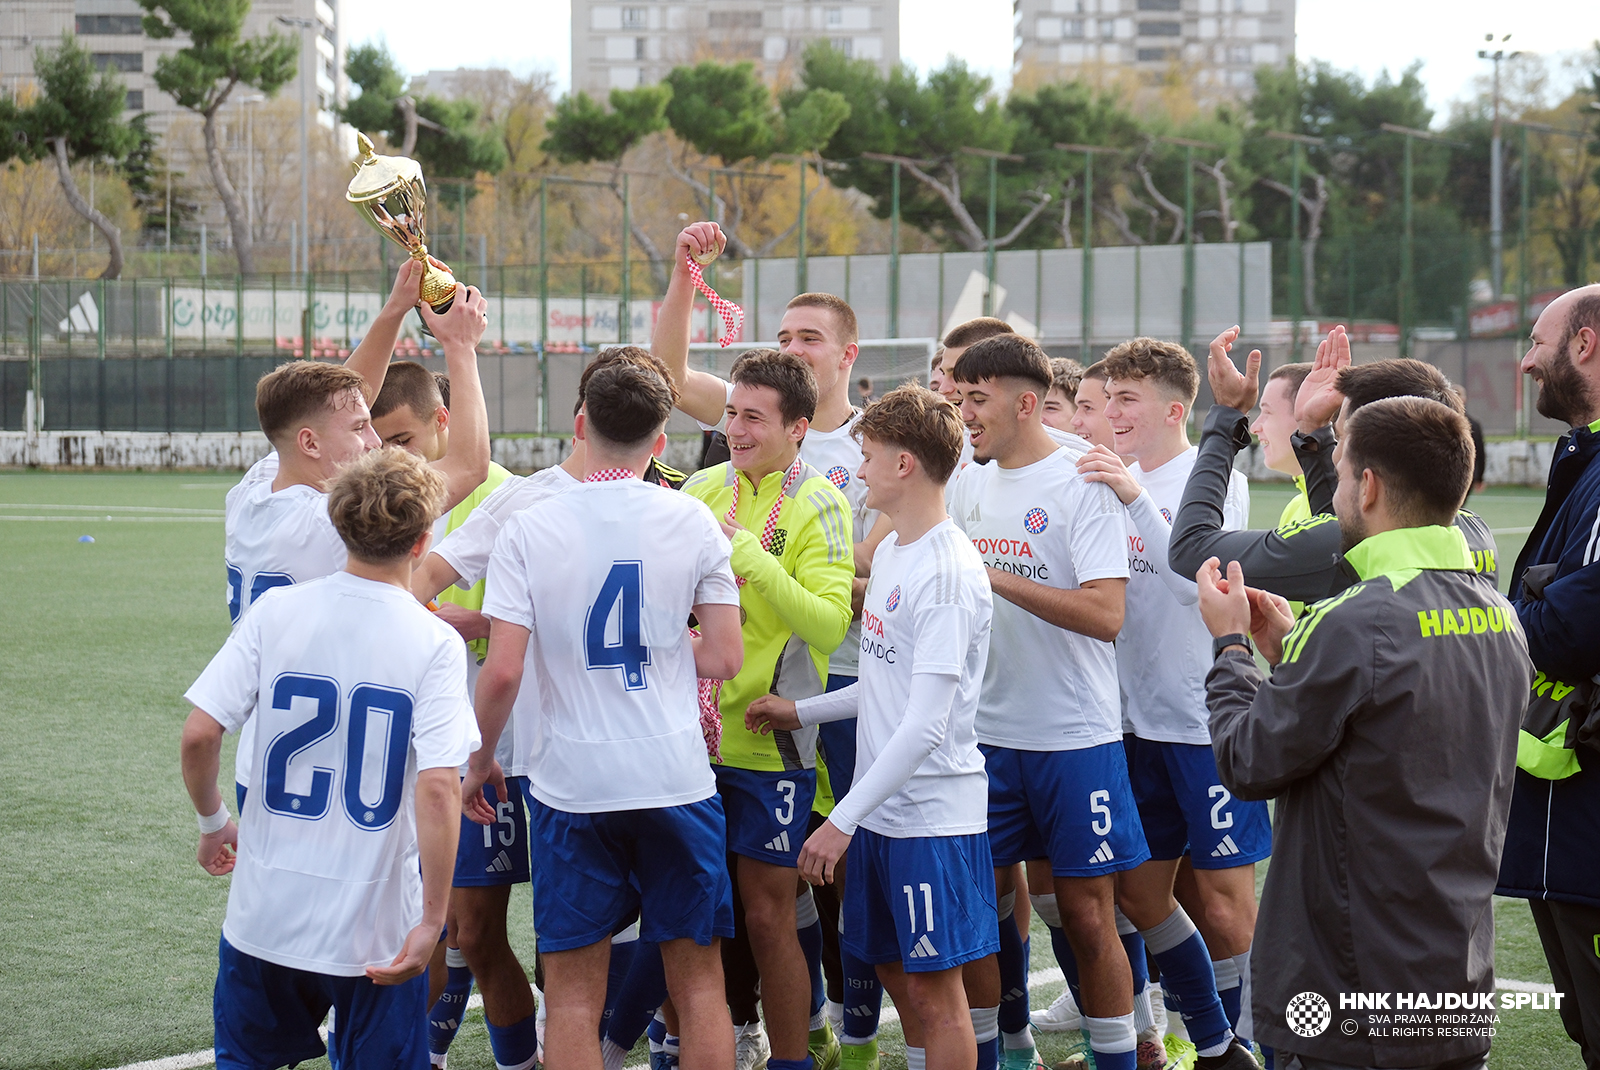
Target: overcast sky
{"x":1367,"y":35}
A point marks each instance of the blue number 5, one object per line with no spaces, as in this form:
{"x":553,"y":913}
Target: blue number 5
{"x":282,"y":750}
{"x":623,"y":590}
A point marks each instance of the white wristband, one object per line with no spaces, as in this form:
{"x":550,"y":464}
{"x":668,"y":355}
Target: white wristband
{"x":216,"y":822}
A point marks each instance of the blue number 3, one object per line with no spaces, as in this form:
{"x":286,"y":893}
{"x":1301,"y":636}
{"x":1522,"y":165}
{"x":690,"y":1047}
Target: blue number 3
{"x":364,"y":701}
{"x":625,"y":585}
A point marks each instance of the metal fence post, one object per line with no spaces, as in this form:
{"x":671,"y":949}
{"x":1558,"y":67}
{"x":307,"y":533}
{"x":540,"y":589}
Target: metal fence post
{"x":100,"y":323}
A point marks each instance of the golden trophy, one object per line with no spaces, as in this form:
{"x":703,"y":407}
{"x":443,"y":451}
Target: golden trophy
{"x":390,"y":193}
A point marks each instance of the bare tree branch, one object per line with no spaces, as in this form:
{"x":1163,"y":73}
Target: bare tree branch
{"x":1119,"y":219}
{"x":75,"y":198}
{"x":1224,"y":201}
{"x":1066,"y":211}
{"x":1150,"y":185}
{"x":1315,"y":208}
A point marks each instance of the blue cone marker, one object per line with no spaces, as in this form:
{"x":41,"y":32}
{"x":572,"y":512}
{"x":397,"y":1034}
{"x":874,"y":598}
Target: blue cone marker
{"x":86,"y":538}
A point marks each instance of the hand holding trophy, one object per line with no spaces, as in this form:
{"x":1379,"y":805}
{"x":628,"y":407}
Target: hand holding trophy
{"x":390,"y":193}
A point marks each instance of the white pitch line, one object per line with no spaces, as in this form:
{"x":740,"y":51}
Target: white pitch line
{"x":1037,"y":978}
{"x":112,"y":508}
{"x":118,"y":519}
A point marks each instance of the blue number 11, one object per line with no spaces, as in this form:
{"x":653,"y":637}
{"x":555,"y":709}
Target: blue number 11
{"x":625,"y":585}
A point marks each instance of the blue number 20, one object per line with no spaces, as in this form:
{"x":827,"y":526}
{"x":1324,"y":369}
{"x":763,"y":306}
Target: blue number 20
{"x":625,"y":585}
{"x":364,"y":701}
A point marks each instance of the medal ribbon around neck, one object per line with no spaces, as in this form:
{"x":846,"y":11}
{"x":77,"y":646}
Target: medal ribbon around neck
{"x":770,"y":529}
{"x":732,"y":315}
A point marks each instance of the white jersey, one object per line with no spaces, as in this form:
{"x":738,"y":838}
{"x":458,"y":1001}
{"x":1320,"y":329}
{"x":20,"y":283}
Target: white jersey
{"x":273,"y":539}
{"x":356,"y":688}
{"x":1068,"y":441}
{"x":927,"y":610}
{"x":468,"y":549}
{"x":1164,"y":651}
{"x":619,"y":720}
{"x":1046,"y":688}
{"x":837,"y":455}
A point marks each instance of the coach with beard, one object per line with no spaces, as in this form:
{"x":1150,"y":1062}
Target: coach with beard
{"x":1552,"y":852}
{"x":1387,"y":732}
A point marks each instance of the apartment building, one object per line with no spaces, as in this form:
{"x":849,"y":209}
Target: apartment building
{"x":623,"y":45}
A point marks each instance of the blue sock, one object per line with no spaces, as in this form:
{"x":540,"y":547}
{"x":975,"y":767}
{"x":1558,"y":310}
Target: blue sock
{"x":656,"y":1031}
{"x":1226,"y":971}
{"x":988,"y":1054}
{"x":616,"y":974}
{"x":515,"y":1046}
{"x":1187,"y":979}
{"x":1133,"y":944}
{"x":808,"y":926}
{"x":1067,"y":961}
{"x":791,"y":1064}
{"x":641,"y":993}
{"x":863,"y":996}
{"x":1013,"y":959}
{"x":445,"y":1017}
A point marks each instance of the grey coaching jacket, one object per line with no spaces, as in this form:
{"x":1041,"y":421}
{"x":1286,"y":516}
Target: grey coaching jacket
{"x":1388,"y":735}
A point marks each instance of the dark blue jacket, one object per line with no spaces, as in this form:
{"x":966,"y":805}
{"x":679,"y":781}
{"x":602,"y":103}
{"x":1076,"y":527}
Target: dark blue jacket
{"x":1552,"y":846}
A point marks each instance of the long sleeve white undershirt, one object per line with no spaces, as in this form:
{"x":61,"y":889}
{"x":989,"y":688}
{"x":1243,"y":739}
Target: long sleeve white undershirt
{"x":918,"y":735}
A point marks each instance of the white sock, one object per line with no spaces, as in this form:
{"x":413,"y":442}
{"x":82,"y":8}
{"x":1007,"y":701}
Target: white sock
{"x":1217,"y":1049}
{"x":1019,"y":1041}
{"x":1111,"y":1035}
{"x":819,"y":1019}
{"x":805,"y":910}
{"x":1144,"y":1018}
{"x":454,"y":959}
{"x":835,"y":1013}
{"x":1247,"y":1022}
{"x":1048,"y":909}
{"x":916,"y":1058}
{"x":985,"y":1023}
{"x":611,"y":1054}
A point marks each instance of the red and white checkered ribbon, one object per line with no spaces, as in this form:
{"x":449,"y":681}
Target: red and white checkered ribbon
{"x":732,"y":315}
{"x":709,"y":693}
{"x":606,"y":474}
{"x":770,"y":528}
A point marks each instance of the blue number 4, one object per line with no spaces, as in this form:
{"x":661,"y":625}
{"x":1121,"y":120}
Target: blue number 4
{"x":623,"y":591}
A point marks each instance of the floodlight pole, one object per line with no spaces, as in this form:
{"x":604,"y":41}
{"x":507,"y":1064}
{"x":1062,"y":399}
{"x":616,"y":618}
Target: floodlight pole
{"x":1496,"y":180}
{"x":994,"y":158}
{"x":1189,"y":145}
{"x":1296,"y":264}
{"x":1086,"y":289}
{"x":625,"y":318}
{"x":894,"y":251}
{"x":306,"y":74}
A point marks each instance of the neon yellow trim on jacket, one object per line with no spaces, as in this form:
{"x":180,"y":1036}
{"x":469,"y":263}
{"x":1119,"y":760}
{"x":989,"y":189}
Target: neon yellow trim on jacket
{"x":472,"y":599}
{"x":802,"y":589}
{"x":1299,"y":507}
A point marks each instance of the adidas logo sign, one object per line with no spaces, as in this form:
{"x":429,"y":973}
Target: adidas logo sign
{"x":780,"y":844}
{"x":501,"y":864}
{"x":924,"y":949}
{"x":1102,"y":854}
{"x":1226,"y":848}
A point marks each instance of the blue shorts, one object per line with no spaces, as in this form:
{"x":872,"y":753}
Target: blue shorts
{"x":267,"y":1015}
{"x":1074,"y":807}
{"x":767,"y":811}
{"x":926,"y":902}
{"x":488,"y":856}
{"x":593,"y":873}
{"x":838,"y":742}
{"x":1184,"y":807}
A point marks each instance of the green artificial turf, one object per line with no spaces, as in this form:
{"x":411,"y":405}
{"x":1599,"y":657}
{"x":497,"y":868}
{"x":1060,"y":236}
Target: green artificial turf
{"x":110,"y":949}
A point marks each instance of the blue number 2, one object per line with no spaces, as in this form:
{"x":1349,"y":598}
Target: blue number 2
{"x":259,"y":585}
{"x":285,"y":689}
{"x":625,"y":585}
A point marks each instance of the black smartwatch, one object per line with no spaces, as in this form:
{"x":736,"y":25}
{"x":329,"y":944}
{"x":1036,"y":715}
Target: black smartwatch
{"x":1222,"y":642}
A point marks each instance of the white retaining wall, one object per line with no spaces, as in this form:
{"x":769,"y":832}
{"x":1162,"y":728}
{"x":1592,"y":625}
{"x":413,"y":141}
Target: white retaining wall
{"x":239,"y":450}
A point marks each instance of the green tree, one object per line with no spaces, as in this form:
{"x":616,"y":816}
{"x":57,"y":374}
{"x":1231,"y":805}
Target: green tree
{"x":582,"y":131}
{"x":148,"y":176}
{"x":78,"y":116}
{"x":202,"y":74}
{"x":1074,"y":113}
{"x":927,"y":125}
{"x":449,"y":137}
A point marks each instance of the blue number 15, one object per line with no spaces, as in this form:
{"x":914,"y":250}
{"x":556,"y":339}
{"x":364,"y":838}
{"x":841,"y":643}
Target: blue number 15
{"x":622,"y":591}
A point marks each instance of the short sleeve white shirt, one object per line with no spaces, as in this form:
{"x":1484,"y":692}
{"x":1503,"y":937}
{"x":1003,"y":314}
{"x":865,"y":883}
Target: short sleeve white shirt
{"x":273,"y":539}
{"x":467,"y":548}
{"x":355,"y":687}
{"x":927,"y":609}
{"x":1164,"y":651}
{"x":618,"y":725}
{"x":1045,"y":688}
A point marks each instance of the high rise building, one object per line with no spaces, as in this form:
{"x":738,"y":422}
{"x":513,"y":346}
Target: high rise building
{"x":623,"y":45}
{"x":111,"y":30}
{"x":1219,"y":43}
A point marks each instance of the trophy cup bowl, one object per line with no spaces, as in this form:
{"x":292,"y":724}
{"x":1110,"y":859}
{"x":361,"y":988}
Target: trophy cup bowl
{"x":390,"y":194}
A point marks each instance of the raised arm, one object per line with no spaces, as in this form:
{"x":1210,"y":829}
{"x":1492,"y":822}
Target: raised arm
{"x":700,"y":394}
{"x":465,"y":464}
{"x":371,"y":357}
